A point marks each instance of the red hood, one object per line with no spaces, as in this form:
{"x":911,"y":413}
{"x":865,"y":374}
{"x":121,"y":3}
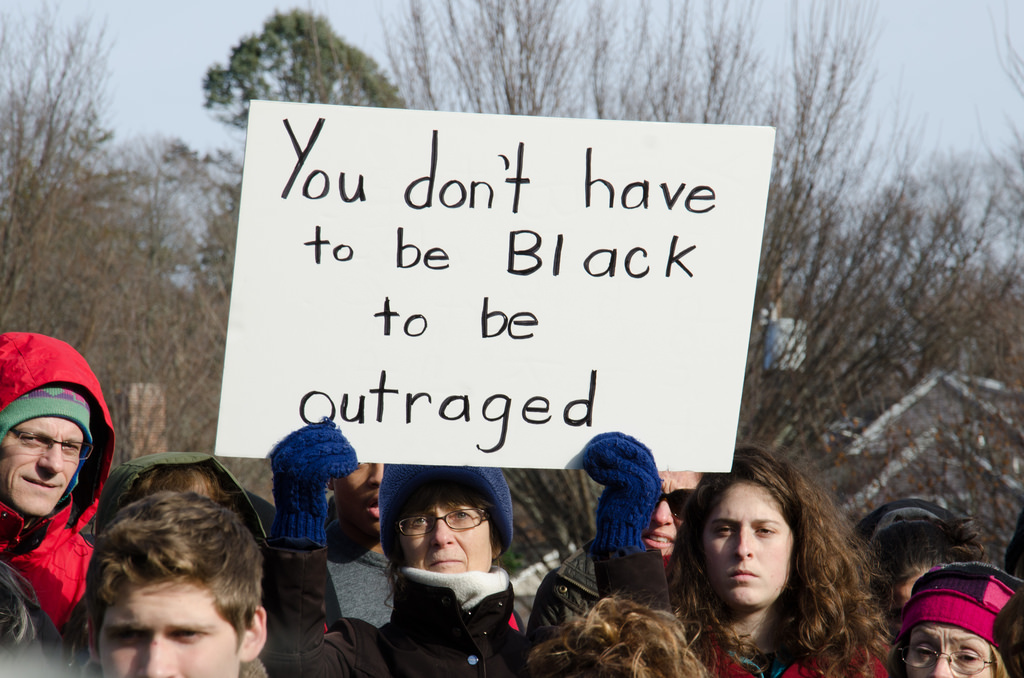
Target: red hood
{"x":29,"y":361}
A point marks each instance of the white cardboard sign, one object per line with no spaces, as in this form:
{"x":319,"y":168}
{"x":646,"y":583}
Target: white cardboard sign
{"x":492,"y":290}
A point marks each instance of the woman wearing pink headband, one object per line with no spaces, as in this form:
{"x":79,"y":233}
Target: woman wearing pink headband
{"x":948,"y":624}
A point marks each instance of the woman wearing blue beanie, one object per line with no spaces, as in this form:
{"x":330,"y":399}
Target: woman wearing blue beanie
{"x":442,"y":529}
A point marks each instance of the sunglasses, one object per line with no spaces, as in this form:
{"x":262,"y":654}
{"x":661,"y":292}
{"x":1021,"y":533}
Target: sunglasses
{"x":676,"y":501}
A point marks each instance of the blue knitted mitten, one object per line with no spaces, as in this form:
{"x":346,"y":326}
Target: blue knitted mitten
{"x":303,"y":463}
{"x":632,"y":486}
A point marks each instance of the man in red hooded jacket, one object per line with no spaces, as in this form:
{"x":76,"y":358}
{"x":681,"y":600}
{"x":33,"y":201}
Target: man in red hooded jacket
{"x":56,"y":445}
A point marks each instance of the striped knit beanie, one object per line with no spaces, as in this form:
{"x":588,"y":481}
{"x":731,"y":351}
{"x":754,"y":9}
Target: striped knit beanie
{"x":968,"y":595}
{"x":49,"y":401}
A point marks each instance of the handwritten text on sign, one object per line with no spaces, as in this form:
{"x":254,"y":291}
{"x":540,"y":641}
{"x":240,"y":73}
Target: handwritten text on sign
{"x":492,"y":290}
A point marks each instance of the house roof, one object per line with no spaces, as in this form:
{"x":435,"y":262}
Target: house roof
{"x":954,"y":440}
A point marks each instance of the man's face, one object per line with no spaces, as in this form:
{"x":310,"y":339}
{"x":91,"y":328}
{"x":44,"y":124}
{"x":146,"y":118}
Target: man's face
{"x":172,"y":630}
{"x":355,"y":497}
{"x":31,"y":483}
{"x":661,"y":531}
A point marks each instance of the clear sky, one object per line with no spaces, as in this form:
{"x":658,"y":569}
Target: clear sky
{"x":937,"y":56}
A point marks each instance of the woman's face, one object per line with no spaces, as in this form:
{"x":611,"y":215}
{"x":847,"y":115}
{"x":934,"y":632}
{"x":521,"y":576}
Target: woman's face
{"x":446,"y":550}
{"x":901,"y":592}
{"x":747,"y":550}
{"x":930,"y":638}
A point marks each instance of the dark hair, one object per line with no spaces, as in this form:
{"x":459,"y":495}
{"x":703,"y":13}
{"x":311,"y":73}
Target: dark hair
{"x":828,"y":615}
{"x":907,"y":548}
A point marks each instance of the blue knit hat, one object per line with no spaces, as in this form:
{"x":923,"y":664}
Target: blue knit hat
{"x":401,"y":480}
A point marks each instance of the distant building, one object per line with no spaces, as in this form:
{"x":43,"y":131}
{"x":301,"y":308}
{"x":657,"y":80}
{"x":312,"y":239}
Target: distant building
{"x":955,"y":440}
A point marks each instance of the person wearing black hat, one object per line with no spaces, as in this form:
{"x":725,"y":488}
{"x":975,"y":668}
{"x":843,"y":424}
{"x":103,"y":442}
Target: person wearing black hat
{"x":907,"y":508}
{"x":442,"y":529}
{"x":909,"y":537}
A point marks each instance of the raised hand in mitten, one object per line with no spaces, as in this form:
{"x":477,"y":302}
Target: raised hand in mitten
{"x":302,"y":464}
{"x":632,"y":486}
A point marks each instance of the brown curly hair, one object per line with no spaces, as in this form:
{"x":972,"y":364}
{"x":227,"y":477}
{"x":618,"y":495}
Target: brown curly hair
{"x":618,"y":638}
{"x":828,"y":616}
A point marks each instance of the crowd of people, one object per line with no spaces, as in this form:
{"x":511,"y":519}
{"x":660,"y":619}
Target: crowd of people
{"x":167,"y":566}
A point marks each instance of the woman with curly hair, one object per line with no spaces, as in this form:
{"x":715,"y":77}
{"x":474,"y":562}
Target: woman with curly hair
{"x":618,"y":638}
{"x":774,"y":582}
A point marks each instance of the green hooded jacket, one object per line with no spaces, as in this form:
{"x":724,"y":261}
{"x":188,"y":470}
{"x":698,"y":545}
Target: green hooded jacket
{"x":255,"y":511}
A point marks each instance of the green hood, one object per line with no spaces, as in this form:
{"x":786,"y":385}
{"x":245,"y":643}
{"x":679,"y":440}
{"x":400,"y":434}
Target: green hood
{"x":123,"y":477}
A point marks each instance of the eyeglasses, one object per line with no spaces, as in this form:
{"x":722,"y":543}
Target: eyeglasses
{"x":676,"y":501}
{"x":962,"y":663}
{"x":459,"y":520}
{"x":37,"y":443}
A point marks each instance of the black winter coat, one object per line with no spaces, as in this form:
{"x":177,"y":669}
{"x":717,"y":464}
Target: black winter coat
{"x":429,"y":635}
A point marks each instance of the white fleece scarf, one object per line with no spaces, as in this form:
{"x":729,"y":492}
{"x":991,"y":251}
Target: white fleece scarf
{"x":469,"y":587}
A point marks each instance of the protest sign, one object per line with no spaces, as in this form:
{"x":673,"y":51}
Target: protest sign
{"x":492,"y":290}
